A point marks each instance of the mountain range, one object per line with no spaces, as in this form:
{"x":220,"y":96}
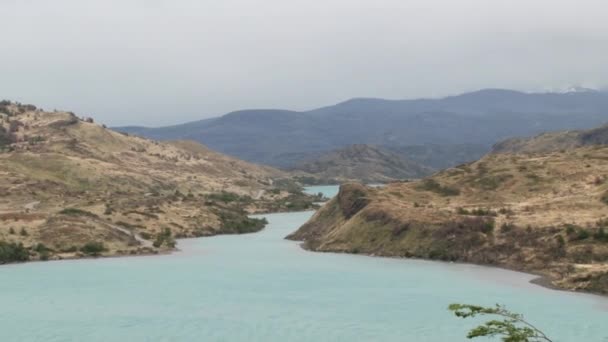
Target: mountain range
{"x":467,"y":125}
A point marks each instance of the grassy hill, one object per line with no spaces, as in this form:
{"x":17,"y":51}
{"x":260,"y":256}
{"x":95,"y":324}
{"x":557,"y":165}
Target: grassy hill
{"x":365,"y":163}
{"x":545,"y":213}
{"x":72,"y":188}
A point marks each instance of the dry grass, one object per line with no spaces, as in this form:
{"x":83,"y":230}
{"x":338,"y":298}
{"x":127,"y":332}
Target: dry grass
{"x":532,"y":198}
{"x":58,"y":161}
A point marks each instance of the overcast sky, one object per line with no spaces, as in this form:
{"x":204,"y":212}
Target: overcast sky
{"x":158,"y":62}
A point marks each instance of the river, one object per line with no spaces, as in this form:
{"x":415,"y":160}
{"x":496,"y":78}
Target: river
{"x":260,"y":287}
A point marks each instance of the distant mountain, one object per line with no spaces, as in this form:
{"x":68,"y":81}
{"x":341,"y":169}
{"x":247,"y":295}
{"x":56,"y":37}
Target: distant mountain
{"x":365,"y":163}
{"x":479,"y":118}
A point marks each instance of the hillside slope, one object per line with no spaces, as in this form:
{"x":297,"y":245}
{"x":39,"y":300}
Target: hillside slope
{"x":541,"y":213}
{"x":554,"y":141}
{"x":479,"y":118}
{"x":364,"y":163}
{"x":70,"y":188}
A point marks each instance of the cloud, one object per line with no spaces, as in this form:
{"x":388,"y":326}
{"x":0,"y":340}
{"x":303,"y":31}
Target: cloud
{"x":161,"y":62}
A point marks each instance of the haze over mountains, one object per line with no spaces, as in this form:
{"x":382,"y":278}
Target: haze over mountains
{"x":474,"y":121}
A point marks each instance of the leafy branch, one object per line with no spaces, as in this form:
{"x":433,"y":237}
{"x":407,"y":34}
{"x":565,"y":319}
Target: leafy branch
{"x":512,"y":327}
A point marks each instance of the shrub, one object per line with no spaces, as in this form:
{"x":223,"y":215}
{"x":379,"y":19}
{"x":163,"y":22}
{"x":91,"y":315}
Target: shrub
{"x":601,"y":235}
{"x":13,"y":252}
{"x":145,"y":235}
{"x":487,"y":227}
{"x":77,"y":212}
{"x":43,"y":251}
{"x":228,"y":197}
{"x":165,"y":237}
{"x":581,"y":234}
{"x":433,"y":186}
{"x":93,"y":248}
{"x":570,"y":229}
{"x":462,"y":211}
{"x":11,"y":230}
{"x":506,"y":227}
{"x":240,"y":223}
{"x":23,"y":232}
{"x":493,"y":182}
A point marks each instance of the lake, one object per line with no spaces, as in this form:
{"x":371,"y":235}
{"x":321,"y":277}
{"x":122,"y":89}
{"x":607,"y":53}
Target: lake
{"x":260,"y":287}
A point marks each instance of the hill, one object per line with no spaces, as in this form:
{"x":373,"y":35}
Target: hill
{"x":72,"y":188}
{"x":479,"y":118}
{"x":554,"y":141}
{"x":542,"y":213}
{"x":365,"y":163}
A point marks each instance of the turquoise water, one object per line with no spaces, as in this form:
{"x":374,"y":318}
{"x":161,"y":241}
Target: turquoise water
{"x":328,"y":191}
{"x":259,"y":287}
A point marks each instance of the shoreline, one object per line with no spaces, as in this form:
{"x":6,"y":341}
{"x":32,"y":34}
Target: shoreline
{"x":538,"y":280}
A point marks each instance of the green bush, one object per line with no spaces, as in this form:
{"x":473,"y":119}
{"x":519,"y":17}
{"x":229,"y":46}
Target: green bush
{"x":241,"y":223}
{"x":13,"y":252}
{"x":433,"y":186}
{"x":227,"y":197}
{"x":43,"y":251}
{"x":601,"y":235}
{"x":165,"y":237}
{"x":93,"y":248}
{"x":77,"y":212}
{"x":581,"y":234}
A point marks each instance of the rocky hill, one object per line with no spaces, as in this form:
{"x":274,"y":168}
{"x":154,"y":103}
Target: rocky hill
{"x":364,"y":163}
{"x":71,"y":188}
{"x":545,"y":213}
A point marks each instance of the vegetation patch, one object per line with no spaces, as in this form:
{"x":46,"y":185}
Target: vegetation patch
{"x":240,"y":223}
{"x":228,"y":197}
{"x":77,"y":212}
{"x":93,"y":248}
{"x":433,"y":186}
{"x":13,"y":252}
{"x":493,"y":182}
{"x":164,"y":238}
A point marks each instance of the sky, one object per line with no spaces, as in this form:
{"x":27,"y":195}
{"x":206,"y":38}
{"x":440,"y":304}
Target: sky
{"x":162,"y":62}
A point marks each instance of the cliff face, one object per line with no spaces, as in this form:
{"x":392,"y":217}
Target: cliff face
{"x":544,"y":214}
{"x":66,"y":182}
